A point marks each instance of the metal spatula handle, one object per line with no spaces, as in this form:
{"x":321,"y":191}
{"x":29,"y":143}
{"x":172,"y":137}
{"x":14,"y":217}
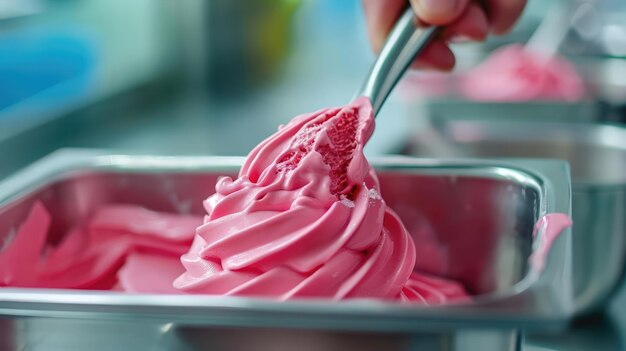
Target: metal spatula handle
{"x":403,"y":44}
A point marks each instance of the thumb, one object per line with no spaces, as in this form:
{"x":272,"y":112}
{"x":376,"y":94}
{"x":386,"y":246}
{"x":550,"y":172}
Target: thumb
{"x":438,"y":12}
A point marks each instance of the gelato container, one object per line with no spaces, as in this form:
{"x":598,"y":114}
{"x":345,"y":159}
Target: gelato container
{"x":597,"y":157}
{"x":481,"y":213}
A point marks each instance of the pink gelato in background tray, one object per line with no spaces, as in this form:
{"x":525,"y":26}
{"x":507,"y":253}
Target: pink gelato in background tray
{"x":515,"y":73}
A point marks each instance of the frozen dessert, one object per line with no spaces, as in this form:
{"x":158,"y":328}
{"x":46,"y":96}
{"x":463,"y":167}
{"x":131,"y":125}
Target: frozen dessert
{"x":304,"y":219}
{"x":515,"y":73}
{"x":96,"y":254}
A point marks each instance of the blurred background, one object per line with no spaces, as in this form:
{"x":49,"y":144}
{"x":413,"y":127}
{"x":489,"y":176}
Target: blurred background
{"x":215,"y":77}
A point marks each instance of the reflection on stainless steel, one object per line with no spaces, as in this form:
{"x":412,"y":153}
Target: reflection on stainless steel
{"x":597,"y":156}
{"x":7,"y":335}
{"x":492,"y":204}
{"x":39,"y":334}
{"x":597,"y":334}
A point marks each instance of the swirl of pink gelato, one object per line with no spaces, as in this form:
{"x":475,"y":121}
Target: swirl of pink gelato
{"x":303,"y":219}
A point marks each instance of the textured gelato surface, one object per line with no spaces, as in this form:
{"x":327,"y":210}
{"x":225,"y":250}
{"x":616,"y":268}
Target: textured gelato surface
{"x":305,"y":219}
{"x":98,"y":253}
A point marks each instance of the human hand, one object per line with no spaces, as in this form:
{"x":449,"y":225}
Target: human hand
{"x":463,"y":19}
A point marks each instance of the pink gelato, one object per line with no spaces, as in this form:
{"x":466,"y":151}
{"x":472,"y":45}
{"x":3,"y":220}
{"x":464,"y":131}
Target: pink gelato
{"x":514,"y":73}
{"x":304,"y":219}
{"x":90,"y":256}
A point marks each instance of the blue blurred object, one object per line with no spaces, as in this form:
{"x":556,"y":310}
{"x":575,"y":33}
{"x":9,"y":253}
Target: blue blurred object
{"x":45,"y":67}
